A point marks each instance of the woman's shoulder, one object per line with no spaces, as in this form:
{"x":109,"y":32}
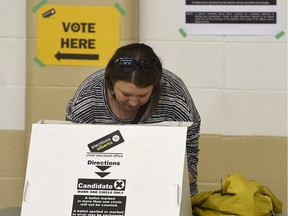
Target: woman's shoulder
{"x":94,"y":79}
{"x":171,"y":80}
{"x":98,"y":75}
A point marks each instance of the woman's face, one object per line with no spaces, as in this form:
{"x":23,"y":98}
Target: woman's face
{"x":131,"y":97}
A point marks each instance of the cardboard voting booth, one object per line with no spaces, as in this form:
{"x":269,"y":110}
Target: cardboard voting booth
{"x":106,"y":170}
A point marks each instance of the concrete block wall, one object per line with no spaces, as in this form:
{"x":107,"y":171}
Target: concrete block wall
{"x":12,"y":103}
{"x":29,"y":92}
{"x":239,"y":84}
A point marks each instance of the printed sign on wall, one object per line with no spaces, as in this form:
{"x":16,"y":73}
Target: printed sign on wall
{"x":232,"y":17}
{"x":77,"y":35}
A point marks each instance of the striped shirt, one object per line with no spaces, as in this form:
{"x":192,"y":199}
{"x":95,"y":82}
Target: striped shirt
{"x":89,"y":105}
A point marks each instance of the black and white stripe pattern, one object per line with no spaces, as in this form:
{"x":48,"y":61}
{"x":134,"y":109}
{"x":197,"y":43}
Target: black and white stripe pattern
{"x":89,"y":105}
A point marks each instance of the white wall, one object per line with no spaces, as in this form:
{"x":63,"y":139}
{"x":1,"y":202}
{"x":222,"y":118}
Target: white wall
{"x":239,"y":83}
{"x":12,"y":61}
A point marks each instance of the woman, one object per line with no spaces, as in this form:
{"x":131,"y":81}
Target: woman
{"x":134,"y":88}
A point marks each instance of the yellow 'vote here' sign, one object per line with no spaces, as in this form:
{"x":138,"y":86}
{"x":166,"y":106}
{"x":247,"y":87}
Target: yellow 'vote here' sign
{"x":77,"y":35}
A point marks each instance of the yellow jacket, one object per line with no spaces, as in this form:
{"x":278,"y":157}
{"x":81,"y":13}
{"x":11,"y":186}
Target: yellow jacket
{"x":237,"y":196}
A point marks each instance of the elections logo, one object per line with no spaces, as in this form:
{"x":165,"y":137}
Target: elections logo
{"x":106,"y":142}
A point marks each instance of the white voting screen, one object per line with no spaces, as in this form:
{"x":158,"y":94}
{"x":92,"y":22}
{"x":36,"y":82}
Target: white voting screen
{"x":106,"y":170}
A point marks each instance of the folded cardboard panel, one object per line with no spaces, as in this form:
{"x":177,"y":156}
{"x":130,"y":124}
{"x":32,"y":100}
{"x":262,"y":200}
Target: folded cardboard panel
{"x":106,"y":170}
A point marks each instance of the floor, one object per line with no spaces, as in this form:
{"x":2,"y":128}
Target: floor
{"x":17,"y":211}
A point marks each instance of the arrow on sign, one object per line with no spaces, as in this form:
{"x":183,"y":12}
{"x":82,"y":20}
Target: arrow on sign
{"x":75,"y":56}
{"x":102,"y":174}
{"x":103,"y":168}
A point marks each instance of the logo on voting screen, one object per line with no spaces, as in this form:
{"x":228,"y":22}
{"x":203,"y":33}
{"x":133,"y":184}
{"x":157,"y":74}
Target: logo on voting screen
{"x":106,"y":142}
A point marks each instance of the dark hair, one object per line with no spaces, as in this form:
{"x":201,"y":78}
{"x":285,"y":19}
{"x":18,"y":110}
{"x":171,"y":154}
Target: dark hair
{"x":138,"y":51}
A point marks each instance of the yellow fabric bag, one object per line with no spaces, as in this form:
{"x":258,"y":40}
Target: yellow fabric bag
{"x":237,"y":196}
